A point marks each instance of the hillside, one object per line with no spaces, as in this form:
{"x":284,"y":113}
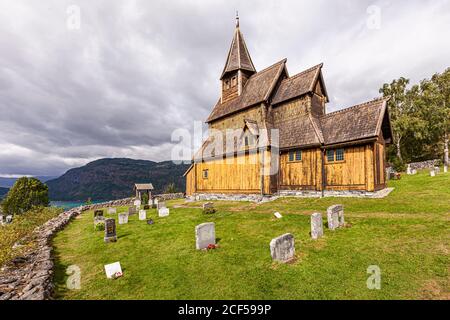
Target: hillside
{"x":107,"y":179}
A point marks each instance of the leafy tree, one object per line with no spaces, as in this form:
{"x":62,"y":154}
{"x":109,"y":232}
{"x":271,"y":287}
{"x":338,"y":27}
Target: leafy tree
{"x":26,"y":194}
{"x":171,"y":188}
{"x":145,"y":198}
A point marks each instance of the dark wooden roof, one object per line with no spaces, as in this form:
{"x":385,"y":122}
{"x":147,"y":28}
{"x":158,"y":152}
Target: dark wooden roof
{"x":298,"y":85}
{"x":257,"y":89}
{"x":359,"y":122}
{"x":238,"y":57}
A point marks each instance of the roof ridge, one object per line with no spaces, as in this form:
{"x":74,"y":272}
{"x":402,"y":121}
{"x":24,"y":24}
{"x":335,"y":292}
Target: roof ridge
{"x":356,"y":106}
{"x":270,"y":67}
{"x":320,"y":65}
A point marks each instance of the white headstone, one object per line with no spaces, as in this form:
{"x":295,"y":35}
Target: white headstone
{"x":278,"y":215}
{"x":137,"y":203}
{"x":205,"y":234}
{"x":9,"y":219}
{"x":316,"y":225}
{"x":112,"y":269}
{"x":142,"y":215}
{"x":123,"y":218}
{"x":408,"y":169}
{"x":445,"y":169}
{"x":112,"y":210}
{"x":1,"y":219}
{"x":163,"y":212}
{"x":333,"y":217}
{"x":432,"y":173}
{"x":283,"y":248}
{"x":437,"y":170}
{"x":414,"y":171}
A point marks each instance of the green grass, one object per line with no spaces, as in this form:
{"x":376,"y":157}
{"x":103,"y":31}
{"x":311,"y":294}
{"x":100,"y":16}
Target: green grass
{"x":406,"y":235}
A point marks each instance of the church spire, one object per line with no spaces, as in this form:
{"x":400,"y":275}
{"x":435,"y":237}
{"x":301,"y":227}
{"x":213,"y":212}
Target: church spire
{"x":238,"y":57}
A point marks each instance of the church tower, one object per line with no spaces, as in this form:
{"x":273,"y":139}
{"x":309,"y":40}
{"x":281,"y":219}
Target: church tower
{"x":238,"y":67}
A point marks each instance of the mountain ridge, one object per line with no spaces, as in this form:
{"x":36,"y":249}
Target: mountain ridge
{"x":114,"y":178}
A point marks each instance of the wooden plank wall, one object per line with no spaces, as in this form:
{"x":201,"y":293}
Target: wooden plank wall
{"x":300,"y":175}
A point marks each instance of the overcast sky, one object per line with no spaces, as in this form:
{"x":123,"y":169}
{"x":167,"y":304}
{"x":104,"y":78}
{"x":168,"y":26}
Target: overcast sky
{"x":134,"y":71}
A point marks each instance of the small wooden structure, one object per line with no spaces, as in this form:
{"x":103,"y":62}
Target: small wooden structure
{"x":141,"y":188}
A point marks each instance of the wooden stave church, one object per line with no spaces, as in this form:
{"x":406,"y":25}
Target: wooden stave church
{"x":318,"y":151}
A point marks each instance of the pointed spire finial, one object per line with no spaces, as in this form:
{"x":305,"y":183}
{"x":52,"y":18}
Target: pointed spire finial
{"x":237,"y":19}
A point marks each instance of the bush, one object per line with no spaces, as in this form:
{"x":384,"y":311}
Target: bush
{"x":26,"y":194}
{"x":145,"y":198}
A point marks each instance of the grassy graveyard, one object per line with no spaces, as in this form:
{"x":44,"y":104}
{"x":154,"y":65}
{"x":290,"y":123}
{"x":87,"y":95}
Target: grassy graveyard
{"x":406,"y":234}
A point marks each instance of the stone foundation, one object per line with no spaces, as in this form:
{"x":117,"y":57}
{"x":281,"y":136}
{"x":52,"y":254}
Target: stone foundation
{"x":230,"y":197}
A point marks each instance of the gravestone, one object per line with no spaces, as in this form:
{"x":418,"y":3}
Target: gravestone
{"x":98,"y":213}
{"x":132,"y":210}
{"x":142,"y":215}
{"x":445,"y":169}
{"x":110,"y":230}
{"x":163,"y":212}
{"x":408,"y":169}
{"x":208,"y":208}
{"x":414,"y":171}
{"x":123,"y":218}
{"x":339,"y":208}
{"x":278,"y":215}
{"x":316,"y":226}
{"x":9,"y":219}
{"x":437,"y":170}
{"x":333,"y":217}
{"x":205,"y":234}
{"x":137,"y":203}
{"x":112,"y":210}
{"x":1,"y":219}
{"x":432,"y":173}
{"x":150,"y":221}
{"x":282,"y":249}
{"x":113,"y":270}
{"x":161,"y":204}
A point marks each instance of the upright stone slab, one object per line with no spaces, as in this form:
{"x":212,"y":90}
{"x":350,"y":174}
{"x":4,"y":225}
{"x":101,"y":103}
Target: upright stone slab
{"x":112,"y":210}
{"x":339,"y":208}
{"x":1,"y":219}
{"x":445,"y":169}
{"x":282,"y":249}
{"x":9,"y":219}
{"x":316,"y":226}
{"x":98,"y":213}
{"x":142,"y":215}
{"x":161,"y":204}
{"x":110,"y":231}
{"x":137,"y":203}
{"x":163,"y":212}
{"x":408,"y":169}
{"x":205,"y":234}
{"x":432,"y":173}
{"x":132,"y":210}
{"x":333,"y":217}
{"x":437,"y":170}
{"x":123,"y":218}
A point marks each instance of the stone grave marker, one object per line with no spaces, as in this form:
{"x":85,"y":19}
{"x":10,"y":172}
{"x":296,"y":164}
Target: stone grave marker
{"x":432,"y":173}
{"x":445,"y":169}
{"x":142,"y":215}
{"x":110,"y":230}
{"x":112,"y":210}
{"x":408,"y":169}
{"x":208,"y":208}
{"x":333,"y":217}
{"x":278,"y":215}
{"x":98,"y":213}
{"x":113,"y":270}
{"x":1,"y":219}
{"x":414,"y":171}
{"x":123,"y":218}
{"x":205,"y":234}
{"x":150,"y":221}
{"x":163,"y":212}
{"x":282,"y":248}
{"x":137,"y":203}
{"x":316,"y":226}
{"x":437,"y":170}
{"x":339,"y":208}
{"x":161,"y":204}
{"x":9,"y":219}
{"x":132,"y":210}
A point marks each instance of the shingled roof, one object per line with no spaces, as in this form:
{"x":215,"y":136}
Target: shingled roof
{"x":299,"y":85}
{"x":238,"y":57}
{"x":257,"y":89}
{"x":359,"y":122}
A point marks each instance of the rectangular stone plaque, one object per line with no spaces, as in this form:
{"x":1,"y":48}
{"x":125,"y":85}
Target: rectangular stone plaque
{"x":163,"y":212}
{"x":123,"y":218}
{"x":333,"y":217}
{"x":282,"y":249}
{"x":316,"y":225}
{"x":205,"y":234}
{"x":142,"y":215}
{"x":110,"y":230}
{"x":112,"y":269}
{"x":278,"y":215}
{"x":112,"y":210}
{"x":132,"y":210}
